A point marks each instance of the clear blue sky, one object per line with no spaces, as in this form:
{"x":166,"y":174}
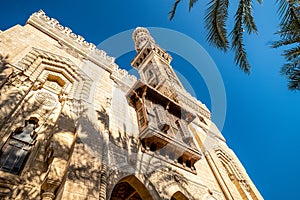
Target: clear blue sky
{"x":262,"y":119}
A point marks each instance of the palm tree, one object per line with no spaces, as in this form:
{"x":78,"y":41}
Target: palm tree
{"x":290,"y":37}
{"x":215,"y":20}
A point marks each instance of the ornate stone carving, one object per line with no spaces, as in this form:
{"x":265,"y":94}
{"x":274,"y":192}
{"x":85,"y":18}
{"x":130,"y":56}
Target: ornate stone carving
{"x":66,"y":100}
{"x":45,"y":98}
{"x":121,"y":77}
{"x":60,"y":70}
{"x":70,"y":50}
{"x":233,"y":171}
{"x":161,"y":116}
{"x":159,"y":136}
{"x":129,"y":143}
{"x":142,"y":37}
{"x":42,"y":20}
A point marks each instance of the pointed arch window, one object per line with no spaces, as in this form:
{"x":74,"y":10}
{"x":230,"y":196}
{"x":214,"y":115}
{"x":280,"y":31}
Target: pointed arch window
{"x":130,"y":188}
{"x":179,"y":196}
{"x":16,"y":150}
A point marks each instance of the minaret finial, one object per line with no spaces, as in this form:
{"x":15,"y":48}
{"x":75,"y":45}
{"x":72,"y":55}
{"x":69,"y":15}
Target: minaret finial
{"x":141,"y":37}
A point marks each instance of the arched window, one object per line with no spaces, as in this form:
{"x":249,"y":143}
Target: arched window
{"x":130,"y":188}
{"x":15,"y":151}
{"x":235,"y":175}
{"x":178,"y":196}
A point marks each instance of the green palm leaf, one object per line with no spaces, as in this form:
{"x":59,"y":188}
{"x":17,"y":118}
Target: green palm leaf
{"x":248,"y":20}
{"x":215,"y":21}
{"x":191,"y":4}
{"x":292,"y":72}
{"x":292,"y":53}
{"x":173,"y":11}
{"x":284,"y":42}
{"x":290,"y":38}
{"x":243,"y":18}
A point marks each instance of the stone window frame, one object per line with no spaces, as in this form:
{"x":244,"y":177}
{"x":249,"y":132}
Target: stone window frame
{"x":18,"y":146}
{"x":234,"y":173}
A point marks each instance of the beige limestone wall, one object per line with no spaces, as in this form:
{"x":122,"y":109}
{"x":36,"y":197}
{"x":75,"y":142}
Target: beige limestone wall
{"x":105,"y":134}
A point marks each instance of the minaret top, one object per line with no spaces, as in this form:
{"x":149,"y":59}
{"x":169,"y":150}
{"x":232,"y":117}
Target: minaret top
{"x":141,"y":37}
{"x":155,"y":70}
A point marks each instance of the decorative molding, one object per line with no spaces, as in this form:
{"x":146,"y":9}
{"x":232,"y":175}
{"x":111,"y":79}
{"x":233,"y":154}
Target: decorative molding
{"x":232,"y":168}
{"x":173,"y":179}
{"x":59,"y":66}
{"x":52,"y":26}
{"x":45,"y":98}
{"x":147,"y":49}
{"x":70,"y":50}
{"x":122,"y":78}
{"x":76,"y":46}
{"x":191,"y":102}
{"x":226,"y":158}
{"x":142,"y":38}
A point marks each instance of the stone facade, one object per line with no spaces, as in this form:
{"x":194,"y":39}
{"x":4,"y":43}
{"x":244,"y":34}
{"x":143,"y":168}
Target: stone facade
{"x":76,"y":126}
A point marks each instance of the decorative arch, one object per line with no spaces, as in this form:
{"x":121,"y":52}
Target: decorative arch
{"x":42,"y":66}
{"x":178,"y":196}
{"x":58,"y":85}
{"x":235,"y":175}
{"x":16,"y":150}
{"x":130,"y":188}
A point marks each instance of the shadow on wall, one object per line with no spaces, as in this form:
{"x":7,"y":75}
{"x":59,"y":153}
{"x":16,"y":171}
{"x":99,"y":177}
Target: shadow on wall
{"x":126,"y":152}
{"x":80,"y":174}
{"x":3,"y":63}
{"x":84,"y":176}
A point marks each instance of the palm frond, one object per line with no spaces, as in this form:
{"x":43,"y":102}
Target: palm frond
{"x":215,"y":21}
{"x":237,"y":38}
{"x":287,"y":68}
{"x":292,"y":72}
{"x":288,"y":31}
{"x":295,"y":14}
{"x":173,"y":11}
{"x":290,"y":37}
{"x":292,"y":53}
{"x":284,"y":42}
{"x":191,"y":4}
{"x":290,"y":26}
{"x":248,"y":20}
{"x":282,"y":9}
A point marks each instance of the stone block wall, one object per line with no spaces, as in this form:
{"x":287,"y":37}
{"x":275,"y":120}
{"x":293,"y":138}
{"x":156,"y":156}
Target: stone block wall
{"x":86,"y":137}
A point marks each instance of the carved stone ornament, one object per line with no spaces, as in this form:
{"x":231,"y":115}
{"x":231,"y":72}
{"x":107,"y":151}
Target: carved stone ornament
{"x":45,"y":99}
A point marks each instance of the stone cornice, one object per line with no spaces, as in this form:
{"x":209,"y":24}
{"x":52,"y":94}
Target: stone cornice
{"x":64,"y":35}
{"x":188,"y":101}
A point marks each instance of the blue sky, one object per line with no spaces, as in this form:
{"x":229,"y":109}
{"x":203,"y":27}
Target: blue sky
{"x":262,"y":119}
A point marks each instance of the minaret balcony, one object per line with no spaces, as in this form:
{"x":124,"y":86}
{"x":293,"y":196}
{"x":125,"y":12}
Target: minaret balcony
{"x":163,"y":126}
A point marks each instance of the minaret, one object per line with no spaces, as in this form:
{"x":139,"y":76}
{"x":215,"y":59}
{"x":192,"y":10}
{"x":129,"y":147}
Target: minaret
{"x":163,"y":121}
{"x":153,"y":64}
